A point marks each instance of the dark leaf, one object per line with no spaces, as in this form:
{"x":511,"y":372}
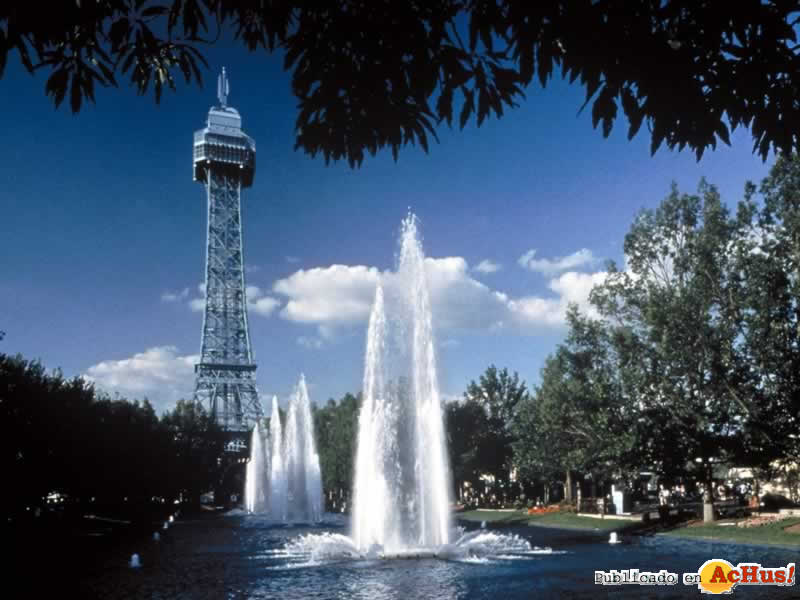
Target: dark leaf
{"x":657,"y":138}
{"x":483,"y":105}
{"x":722,"y":132}
{"x":174,"y":13}
{"x":459,"y":76}
{"x":494,"y":100}
{"x":118,"y":33}
{"x":57,"y":84}
{"x":292,"y":54}
{"x":444,"y":105}
{"x":473,"y":31}
{"x":633,"y":111}
{"x":486,"y":39}
{"x":467,"y":108}
{"x":126,"y":64}
{"x":24,"y":55}
{"x":75,"y":93}
{"x":526,"y":65}
{"x":154,"y":11}
{"x":544,"y":58}
{"x":3,"y":54}
{"x":108,"y":74}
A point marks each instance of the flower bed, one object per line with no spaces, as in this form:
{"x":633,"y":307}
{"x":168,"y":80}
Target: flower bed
{"x":759,"y":521}
{"x":542,"y":510}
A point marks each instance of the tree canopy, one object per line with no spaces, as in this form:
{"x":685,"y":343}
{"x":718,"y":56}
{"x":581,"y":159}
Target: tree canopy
{"x":694,"y":363}
{"x":498,"y":393}
{"x":677,"y":301}
{"x":368,"y":75}
{"x":768,"y":257}
{"x":60,"y":435}
{"x":579,"y":417}
{"x":336,"y":433}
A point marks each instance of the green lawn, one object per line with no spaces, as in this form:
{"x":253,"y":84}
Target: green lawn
{"x":564,"y":519}
{"x":772,"y":533}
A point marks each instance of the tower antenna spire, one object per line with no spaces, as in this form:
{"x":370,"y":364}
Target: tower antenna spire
{"x":223,"y":88}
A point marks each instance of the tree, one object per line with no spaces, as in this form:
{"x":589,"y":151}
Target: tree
{"x":542,"y":446}
{"x":59,"y":436}
{"x":336,"y":432}
{"x":677,"y":300}
{"x":498,"y":393}
{"x":767,"y":254}
{"x":463,"y":422}
{"x":580,"y":418}
{"x":373,"y":74}
{"x":196,"y":444}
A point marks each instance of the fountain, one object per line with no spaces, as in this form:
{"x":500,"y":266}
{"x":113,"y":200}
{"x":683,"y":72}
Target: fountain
{"x":401,"y":480}
{"x":283,"y":476}
{"x":256,"y":476}
{"x":401,"y":489}
{"x":304,"y":482}
{"x":277,"y":478}
{"x":135,"y":563}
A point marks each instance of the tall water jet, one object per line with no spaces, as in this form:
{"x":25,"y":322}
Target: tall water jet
{"x":304,"y":480}
{"x":401,"y":484}
{"x":257,"y":474}
{"x":375,"y":507}
{"x":278,"y":484}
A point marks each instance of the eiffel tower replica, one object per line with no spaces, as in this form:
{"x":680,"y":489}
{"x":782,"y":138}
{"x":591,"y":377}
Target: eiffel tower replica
{"x":224,"y":162}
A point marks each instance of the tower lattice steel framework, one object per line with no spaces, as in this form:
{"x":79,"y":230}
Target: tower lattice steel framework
{"x":224,"y":161}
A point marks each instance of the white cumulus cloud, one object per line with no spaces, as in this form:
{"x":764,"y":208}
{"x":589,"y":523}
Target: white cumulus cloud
{"x":160,"y":374}
{"x":175,"y":296}
{"x":546,"y":266}
{"x":341,"y":295}
{"x":486,"y":266}
{"x":457,"y":300}
{"x":258,"y":302}
{"x":334,"y":295}
{"x":570,"y":287}
{"x":312,"y":343}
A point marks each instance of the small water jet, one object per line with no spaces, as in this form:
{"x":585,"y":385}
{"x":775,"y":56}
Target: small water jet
{"x":156,"y":536}
{"x":613,"y":538}
{"x":304,"y":481}
{"x":135,"y":563}
{"x":278,"y":486}
{"x":256,"y":476}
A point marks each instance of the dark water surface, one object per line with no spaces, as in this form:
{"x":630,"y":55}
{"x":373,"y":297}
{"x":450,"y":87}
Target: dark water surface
{"x":236,"y":557}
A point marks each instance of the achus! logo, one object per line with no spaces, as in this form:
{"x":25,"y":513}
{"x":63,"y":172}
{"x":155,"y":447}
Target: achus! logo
{"x":718,"y":576}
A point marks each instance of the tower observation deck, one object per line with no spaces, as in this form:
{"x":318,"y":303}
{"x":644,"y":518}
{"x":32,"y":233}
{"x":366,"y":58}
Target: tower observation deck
{"x":224,"y":162}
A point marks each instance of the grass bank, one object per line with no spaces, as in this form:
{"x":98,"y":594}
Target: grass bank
{"x":562,"y":520}
{"x":770,"y":534}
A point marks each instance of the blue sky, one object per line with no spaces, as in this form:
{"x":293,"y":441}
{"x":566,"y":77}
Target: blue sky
{"x":103,"y":231}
